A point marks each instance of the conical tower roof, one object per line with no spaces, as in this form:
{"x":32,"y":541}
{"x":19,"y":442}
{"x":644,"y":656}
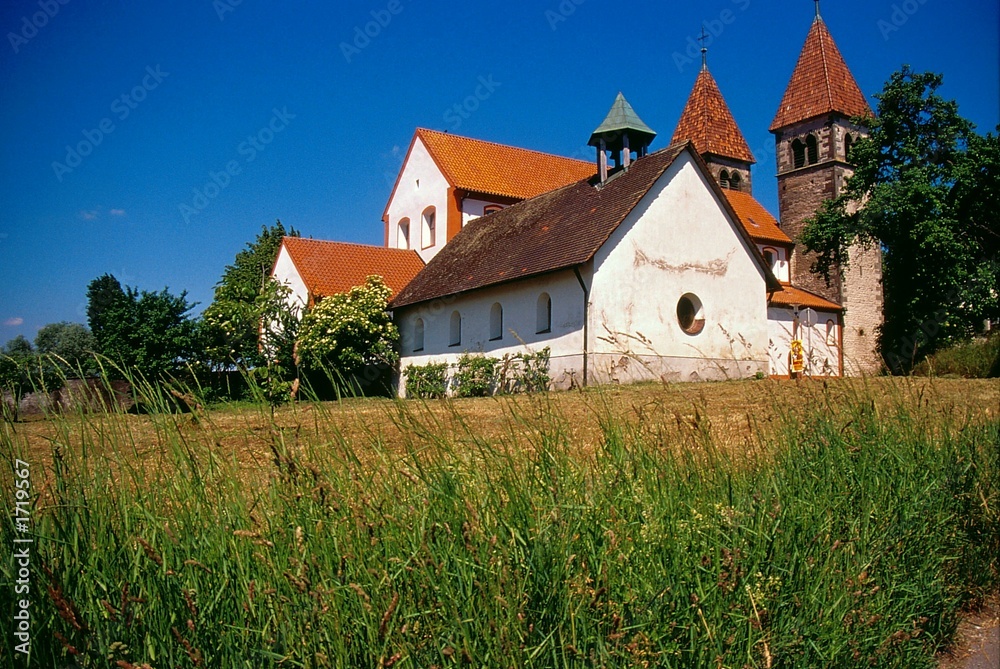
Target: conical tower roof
{"x":622,"y":119}
{"x":821,"y":83}
{"x":707,"y":121}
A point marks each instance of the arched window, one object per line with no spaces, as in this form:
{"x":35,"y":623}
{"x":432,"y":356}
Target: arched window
{"x":403,"y":234}
{"x":812,"y":148}
{"x":490,"y":208}
{"x":418,"y":335}
{"x":724,"y":179}
{"x":734,"y":180}
{"x":543,"y":314}
{"x":831,"y":333}
{"x":455,"y":335}
{"x":848,"y":145}
{"x":496,"y":322}
{"x":427,"y":234}
{"x":769,"y":255}
{"x":798,"y":154}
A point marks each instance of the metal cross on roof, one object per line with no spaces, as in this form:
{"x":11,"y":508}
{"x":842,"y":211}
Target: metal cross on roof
{"x":817,"y":8}
{"x":703,"y":38}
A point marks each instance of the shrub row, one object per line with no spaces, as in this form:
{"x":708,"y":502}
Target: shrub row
{"x":478,"y":375}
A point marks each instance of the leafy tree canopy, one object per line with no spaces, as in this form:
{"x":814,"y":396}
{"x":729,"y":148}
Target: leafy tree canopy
{"x":929,"y":186}
{"x":148,"y":332}
{"x":231,"y":323}
{"x":17,"y":358}
{"x":70,"y":348}
{"x":351,"y":331}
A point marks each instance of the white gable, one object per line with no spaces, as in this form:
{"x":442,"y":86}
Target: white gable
{"x":678,"y":241}
{"x":420,"y":187}
{"x":287,"y":273}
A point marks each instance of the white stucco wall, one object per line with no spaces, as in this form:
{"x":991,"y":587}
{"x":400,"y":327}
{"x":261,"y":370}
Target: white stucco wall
{"x":821,"y":343}
{"x":473,"y":209}
{"x":519,"y":301}
{"x":780,"y":265}
{"x":420,"y":185}
{"x":286,"y":273}
{"x":677,"y":240}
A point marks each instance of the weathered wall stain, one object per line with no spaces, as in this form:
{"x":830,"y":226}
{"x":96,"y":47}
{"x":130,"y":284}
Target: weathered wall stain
{"x":717,"y":267}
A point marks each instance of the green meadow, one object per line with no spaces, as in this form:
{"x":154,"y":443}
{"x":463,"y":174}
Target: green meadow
{"x":742,"y":524}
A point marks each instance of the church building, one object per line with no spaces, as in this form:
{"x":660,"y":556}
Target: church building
{"x":643,"y":264}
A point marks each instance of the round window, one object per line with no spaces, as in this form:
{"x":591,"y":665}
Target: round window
{"x":690,"y":314}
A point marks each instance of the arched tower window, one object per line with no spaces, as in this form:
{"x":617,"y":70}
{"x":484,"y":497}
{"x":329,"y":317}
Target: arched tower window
{"x":403,"y":234}
{"x":418,"y":335}
{"x":724,"y":179}
{"x":812,"y":148}
{"x":735,"y":180}
{"x":798,"y":154}
{"x":496,"y":322}
{"x":455,"y":334}
{"x":428,"y":228}
{"x":543,"y":314}
{"x":848,"y":145}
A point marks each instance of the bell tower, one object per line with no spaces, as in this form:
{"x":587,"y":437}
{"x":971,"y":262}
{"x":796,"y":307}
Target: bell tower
{"x":709,"y":124}
{"x":813,"y":133}
{"x":622,"y":133}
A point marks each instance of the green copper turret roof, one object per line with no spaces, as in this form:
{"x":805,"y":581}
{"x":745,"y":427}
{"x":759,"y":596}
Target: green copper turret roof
{"x":622,"y":117}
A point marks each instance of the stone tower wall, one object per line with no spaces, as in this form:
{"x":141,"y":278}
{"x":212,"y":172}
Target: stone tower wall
{"x":801,"y":191}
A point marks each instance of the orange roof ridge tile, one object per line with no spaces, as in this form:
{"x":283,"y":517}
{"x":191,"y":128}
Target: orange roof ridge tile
{"x":709,"y":123}
{"x":756,"y":219}
{"x":492,"y":168}
{"x":790,"y":295}
{"x":501,"y":145}
{"x":820,"y":84}
{"x":329,"y":267}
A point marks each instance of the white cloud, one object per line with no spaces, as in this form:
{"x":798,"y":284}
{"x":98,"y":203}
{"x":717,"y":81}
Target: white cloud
{"x":14,"y":322}
{"x":117,"y":212}
{"x":89,"y":215}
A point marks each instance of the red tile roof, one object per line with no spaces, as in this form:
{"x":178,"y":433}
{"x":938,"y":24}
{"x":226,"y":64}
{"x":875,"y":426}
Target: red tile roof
{"x":757,"y":220}
{"x":791,"y":296}
{"x":820,"y":84}
{"x":328,"y":268}
{"x":557,"y":230}
{"x":707,"y":121}
{"x":497,"y":169}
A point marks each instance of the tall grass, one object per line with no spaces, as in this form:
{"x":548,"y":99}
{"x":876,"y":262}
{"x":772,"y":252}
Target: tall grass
{"x":849,"y":540}
{"x":976,"y":359}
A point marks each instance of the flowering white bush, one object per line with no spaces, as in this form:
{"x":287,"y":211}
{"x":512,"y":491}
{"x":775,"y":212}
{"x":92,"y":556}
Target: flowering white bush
{"x":350,"y":331}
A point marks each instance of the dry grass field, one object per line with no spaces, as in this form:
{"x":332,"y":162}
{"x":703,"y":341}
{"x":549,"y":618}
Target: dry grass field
{"x":735,"y":414}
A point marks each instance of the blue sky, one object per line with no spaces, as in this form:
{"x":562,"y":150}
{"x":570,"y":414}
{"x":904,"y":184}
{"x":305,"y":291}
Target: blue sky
{"x":288,"y":110}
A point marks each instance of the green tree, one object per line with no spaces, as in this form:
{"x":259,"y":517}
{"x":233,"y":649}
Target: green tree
{"x":147,"y":332}
{"x":232,"y":321}
{"x":17,"y":360}
{"x":350,"y":333}
{"x":68,"y":347}
{"x":928,"y":185}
